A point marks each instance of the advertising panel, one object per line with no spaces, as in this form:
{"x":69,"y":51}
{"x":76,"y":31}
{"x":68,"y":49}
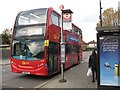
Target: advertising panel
{"x":109,"y":60}
{"x":71,"y":38}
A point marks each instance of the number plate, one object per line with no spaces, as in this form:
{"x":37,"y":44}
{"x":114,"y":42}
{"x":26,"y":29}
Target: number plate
{"x":25,"y":72}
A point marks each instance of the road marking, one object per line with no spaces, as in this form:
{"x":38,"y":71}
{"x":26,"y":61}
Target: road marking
{"x":5,"y":66}
{"x":4,"y":84}
{"x":21,"y":87}
{"x":4,"y":70}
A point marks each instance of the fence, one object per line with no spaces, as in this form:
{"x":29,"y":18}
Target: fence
{"x":5,"y":53}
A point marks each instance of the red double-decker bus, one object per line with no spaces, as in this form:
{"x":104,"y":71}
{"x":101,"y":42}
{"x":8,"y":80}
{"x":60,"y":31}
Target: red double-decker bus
{"x":35,"y":47}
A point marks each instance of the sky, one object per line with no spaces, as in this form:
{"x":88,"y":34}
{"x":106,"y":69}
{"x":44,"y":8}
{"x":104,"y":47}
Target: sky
{"x":85,"y":12}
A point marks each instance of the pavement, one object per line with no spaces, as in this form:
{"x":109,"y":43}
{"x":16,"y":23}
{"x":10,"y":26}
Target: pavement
{"x":76,"y":78}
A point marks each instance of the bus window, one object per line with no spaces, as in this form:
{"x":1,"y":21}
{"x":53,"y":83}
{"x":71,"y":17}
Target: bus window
{"x":55,"y":19}
{"x":30,"y":31}
{"x":36,"y":16}
{"x":68,"y":48}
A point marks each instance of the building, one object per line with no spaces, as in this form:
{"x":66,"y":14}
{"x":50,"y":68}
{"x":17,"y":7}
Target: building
{"x":90,"y":45}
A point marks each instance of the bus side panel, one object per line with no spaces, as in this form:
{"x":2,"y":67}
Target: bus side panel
{"x":68,"y":61}
{"x":81,"y":56}
{"x":76,"y":58}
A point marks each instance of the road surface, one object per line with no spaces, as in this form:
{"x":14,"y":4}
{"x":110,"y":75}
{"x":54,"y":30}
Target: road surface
{"x":15,"y":80}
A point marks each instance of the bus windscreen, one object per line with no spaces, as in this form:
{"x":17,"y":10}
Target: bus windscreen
{"x":28,"y":49}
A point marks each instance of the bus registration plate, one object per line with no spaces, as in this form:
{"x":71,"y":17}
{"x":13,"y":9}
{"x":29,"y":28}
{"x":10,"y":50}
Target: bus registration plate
{"x":25,"y":72}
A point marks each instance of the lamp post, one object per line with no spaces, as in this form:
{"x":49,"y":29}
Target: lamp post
{"x":100,"y":13}
{"x":62,"y":80}
{"x":119,"y":13}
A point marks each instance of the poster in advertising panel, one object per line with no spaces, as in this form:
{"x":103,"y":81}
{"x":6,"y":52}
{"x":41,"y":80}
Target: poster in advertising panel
{"x":109,"y":60}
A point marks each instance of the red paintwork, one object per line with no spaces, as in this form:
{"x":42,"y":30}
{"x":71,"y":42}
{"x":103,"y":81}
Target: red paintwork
{"x":37,"y":67}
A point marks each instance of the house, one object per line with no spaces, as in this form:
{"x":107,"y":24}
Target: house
{"x":90,"y":45}
{"x":85,"y":45}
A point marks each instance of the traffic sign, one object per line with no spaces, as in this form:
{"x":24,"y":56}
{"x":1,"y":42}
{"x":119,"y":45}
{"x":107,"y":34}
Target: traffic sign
{"x":61,"y":7}
{"x":67,"y":16}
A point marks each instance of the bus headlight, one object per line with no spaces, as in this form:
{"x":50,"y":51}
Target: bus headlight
{"x":40,"y":65}
{"x":13,"y":63}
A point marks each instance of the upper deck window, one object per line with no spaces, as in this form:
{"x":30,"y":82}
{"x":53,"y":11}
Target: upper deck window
{"x":55,"y":18}
{"x":36,"y":16}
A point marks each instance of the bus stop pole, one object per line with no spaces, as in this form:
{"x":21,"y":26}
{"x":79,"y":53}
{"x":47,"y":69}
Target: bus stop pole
{"x":62,"y":73}
{"x":62,"y":80}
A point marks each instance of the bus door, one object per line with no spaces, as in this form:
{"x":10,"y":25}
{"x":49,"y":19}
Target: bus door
{"x":52,"y":60}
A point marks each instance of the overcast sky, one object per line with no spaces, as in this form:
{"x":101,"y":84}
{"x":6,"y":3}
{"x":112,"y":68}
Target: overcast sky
{"x":85,"y":12}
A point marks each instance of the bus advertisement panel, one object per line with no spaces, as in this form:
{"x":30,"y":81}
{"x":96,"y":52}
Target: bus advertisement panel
{"x":109,"y":60}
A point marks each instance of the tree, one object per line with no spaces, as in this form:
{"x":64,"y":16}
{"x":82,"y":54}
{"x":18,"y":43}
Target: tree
{"x":109,"y":17}
{"x":6,"y":34}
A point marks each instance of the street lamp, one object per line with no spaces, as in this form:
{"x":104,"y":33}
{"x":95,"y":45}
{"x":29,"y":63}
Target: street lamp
{"x":119,"y":13}
{"x":100,"y":13}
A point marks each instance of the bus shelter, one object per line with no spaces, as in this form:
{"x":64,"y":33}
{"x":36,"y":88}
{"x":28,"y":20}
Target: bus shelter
{"x":108,"y":44}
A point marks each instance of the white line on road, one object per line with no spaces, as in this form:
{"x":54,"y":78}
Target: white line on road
{"x":4,"y":84}
{"x":4,"y":70}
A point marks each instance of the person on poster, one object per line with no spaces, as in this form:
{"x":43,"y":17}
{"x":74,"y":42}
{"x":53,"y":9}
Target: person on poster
{"x":93,"y":64}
